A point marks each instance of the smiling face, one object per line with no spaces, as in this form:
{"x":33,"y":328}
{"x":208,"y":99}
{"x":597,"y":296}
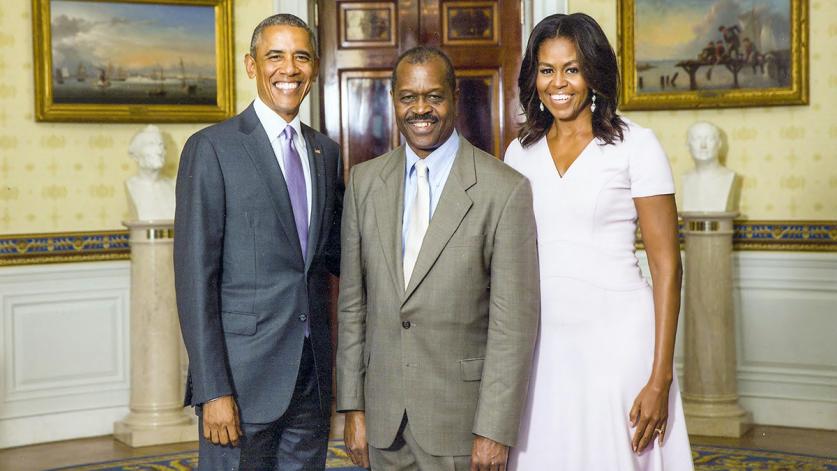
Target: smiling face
{"x":561,"y":87}
{"x":284,"y":66}
{"x":425,"y":105}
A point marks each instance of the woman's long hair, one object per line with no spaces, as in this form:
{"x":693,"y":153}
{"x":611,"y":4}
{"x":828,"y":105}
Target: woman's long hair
{"x":598,"y":67}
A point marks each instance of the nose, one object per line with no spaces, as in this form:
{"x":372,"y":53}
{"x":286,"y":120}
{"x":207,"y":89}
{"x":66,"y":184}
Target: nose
{"x":289,"y":67}
{"x":421,"y":106}
{"x":560,"y":80}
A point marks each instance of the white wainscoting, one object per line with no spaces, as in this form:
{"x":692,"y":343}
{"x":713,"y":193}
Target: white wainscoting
{"x":64,"y":350}
{"x":786,"y":331}
{"x":64,"y":344}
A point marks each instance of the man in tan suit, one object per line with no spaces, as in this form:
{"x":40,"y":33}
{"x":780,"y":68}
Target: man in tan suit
{"x":439,"y":293}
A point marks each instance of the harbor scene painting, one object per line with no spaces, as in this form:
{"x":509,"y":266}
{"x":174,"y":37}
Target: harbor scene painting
{"x":133,"y":53}
{"x":718,"y":44}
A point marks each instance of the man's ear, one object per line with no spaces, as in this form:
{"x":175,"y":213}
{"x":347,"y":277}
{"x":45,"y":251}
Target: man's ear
{"x":250,"y":65}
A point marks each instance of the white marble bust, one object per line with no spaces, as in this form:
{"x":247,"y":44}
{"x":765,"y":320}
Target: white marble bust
{"x":710,"y":187}
{"x":151,"y":196}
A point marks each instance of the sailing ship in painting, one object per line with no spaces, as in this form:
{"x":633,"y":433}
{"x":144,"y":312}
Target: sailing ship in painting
{"x":118,"y":84}
{"x":139,"y":65}
{"x":732,"y":44}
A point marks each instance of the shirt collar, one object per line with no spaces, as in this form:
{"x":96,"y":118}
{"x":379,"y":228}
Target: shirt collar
{"x":437,"y":159}
{"x":272,"y":123}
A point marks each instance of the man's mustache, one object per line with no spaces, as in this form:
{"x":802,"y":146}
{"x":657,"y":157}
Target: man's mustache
{"x":422,"y":117}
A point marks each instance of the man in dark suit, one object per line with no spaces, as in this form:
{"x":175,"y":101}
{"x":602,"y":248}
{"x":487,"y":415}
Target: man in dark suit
{"x":259,"y":199}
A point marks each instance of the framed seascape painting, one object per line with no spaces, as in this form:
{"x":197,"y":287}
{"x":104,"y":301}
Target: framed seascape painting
{"x":678,"y":54}
{"x":133,"y":60}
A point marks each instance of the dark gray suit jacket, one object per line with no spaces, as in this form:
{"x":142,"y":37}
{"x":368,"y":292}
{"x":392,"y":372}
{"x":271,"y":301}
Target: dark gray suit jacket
{"x":243,"y":286}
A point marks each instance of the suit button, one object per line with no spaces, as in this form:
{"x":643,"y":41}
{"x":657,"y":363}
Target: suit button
{"x":406,"y":324}
{"x":303,"y":317}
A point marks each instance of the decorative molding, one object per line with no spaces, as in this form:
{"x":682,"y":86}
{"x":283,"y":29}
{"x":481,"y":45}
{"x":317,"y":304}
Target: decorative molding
{"x":65,"y":247}
{"x":788,"y":236}
{"x":794,"y":236}
{"x":784,"y":320}
{"x":64,"y":350}
{"x":778,"y":236}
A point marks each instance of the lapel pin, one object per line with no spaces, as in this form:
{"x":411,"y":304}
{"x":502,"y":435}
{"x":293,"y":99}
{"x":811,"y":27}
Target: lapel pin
{"x":317,"y":150}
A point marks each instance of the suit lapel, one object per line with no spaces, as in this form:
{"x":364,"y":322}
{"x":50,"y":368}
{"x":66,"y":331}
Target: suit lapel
{"x":454,"y":204}
{"x":316,"y":164}
{"x":389,"y":202}
{"x":261,"y":154}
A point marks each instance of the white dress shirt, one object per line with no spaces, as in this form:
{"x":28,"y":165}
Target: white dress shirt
{"x":274,"y":125}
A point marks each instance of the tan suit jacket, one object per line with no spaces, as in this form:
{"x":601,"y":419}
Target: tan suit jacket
{"x":454,"y":348}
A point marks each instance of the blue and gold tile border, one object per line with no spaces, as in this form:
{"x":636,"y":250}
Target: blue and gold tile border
{"x":791,"y":236}
{"x":780,"y":236}
{"x":28,"y":249}
{"x":808,"y":236}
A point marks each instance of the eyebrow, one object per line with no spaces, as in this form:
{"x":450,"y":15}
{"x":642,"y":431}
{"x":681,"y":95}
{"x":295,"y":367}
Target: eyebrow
{"x":569,"y":62}
{"x":433,"y":90}
{"x":280,"y":51}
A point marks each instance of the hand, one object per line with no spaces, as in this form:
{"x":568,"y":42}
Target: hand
{"x":354,"y":434}
{"x":220,"y":421}
{"x":488,"y":455}
{"x":649,"y":415}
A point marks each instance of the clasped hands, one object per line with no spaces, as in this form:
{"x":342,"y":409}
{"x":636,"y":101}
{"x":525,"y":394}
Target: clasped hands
{"x":486,"y":454}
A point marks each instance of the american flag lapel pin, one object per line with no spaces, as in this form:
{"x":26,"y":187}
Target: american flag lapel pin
{"x":317,"y":151}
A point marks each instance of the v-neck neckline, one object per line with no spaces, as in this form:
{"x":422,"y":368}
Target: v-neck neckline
{"x":572,"y":164}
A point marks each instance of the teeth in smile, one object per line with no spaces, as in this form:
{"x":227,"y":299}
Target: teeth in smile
{"x":421,"y":124}
{"x":286,"y":85}
{"x":561,"y":97}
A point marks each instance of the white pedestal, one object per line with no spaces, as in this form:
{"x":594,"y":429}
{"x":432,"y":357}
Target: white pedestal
{"x":710,"y":390}
{"x":157,"y":415}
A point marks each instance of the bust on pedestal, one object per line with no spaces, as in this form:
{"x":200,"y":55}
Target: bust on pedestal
{"x":151,"y":196}
{"x":157,"y":415}
{"x":710,"y":389}
{"x":710,"y":187}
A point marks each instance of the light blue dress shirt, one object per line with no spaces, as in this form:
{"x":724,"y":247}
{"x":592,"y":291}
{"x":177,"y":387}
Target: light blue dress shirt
{"x":439,"y":163}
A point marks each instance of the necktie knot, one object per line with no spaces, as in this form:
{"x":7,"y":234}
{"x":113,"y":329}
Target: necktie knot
{"x":421,"y":169}
{"x":288,"y":133}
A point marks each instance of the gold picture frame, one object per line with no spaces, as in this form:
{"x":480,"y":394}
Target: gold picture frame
{"x":745,"y":74}
{"x":127,"y":61}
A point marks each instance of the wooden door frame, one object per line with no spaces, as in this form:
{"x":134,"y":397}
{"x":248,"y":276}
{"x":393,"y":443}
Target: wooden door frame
{"x":309,"y":112}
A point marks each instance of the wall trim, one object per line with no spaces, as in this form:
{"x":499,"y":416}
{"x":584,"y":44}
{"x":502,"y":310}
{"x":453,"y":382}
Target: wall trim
{"x":66,"y":247}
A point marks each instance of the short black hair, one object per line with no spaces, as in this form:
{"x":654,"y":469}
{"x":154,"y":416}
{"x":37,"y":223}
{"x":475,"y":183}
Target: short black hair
{"x":423,"y":54}
{"x":598,"y":67}
{"x":282,"y":19}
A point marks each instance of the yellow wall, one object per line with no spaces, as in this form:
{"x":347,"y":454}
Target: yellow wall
{"x":787,"y":156}
{"x":58,"y":177}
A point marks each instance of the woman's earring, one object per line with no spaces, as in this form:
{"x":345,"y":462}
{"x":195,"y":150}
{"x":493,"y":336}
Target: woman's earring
{"x":541,"y":107}
{"x":593,"y":105}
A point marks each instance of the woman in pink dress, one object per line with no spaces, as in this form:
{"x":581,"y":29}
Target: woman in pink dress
{"x":604,"y":394}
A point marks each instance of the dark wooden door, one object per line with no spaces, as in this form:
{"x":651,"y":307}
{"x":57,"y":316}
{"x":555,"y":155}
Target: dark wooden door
{"x":360,"y":41}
